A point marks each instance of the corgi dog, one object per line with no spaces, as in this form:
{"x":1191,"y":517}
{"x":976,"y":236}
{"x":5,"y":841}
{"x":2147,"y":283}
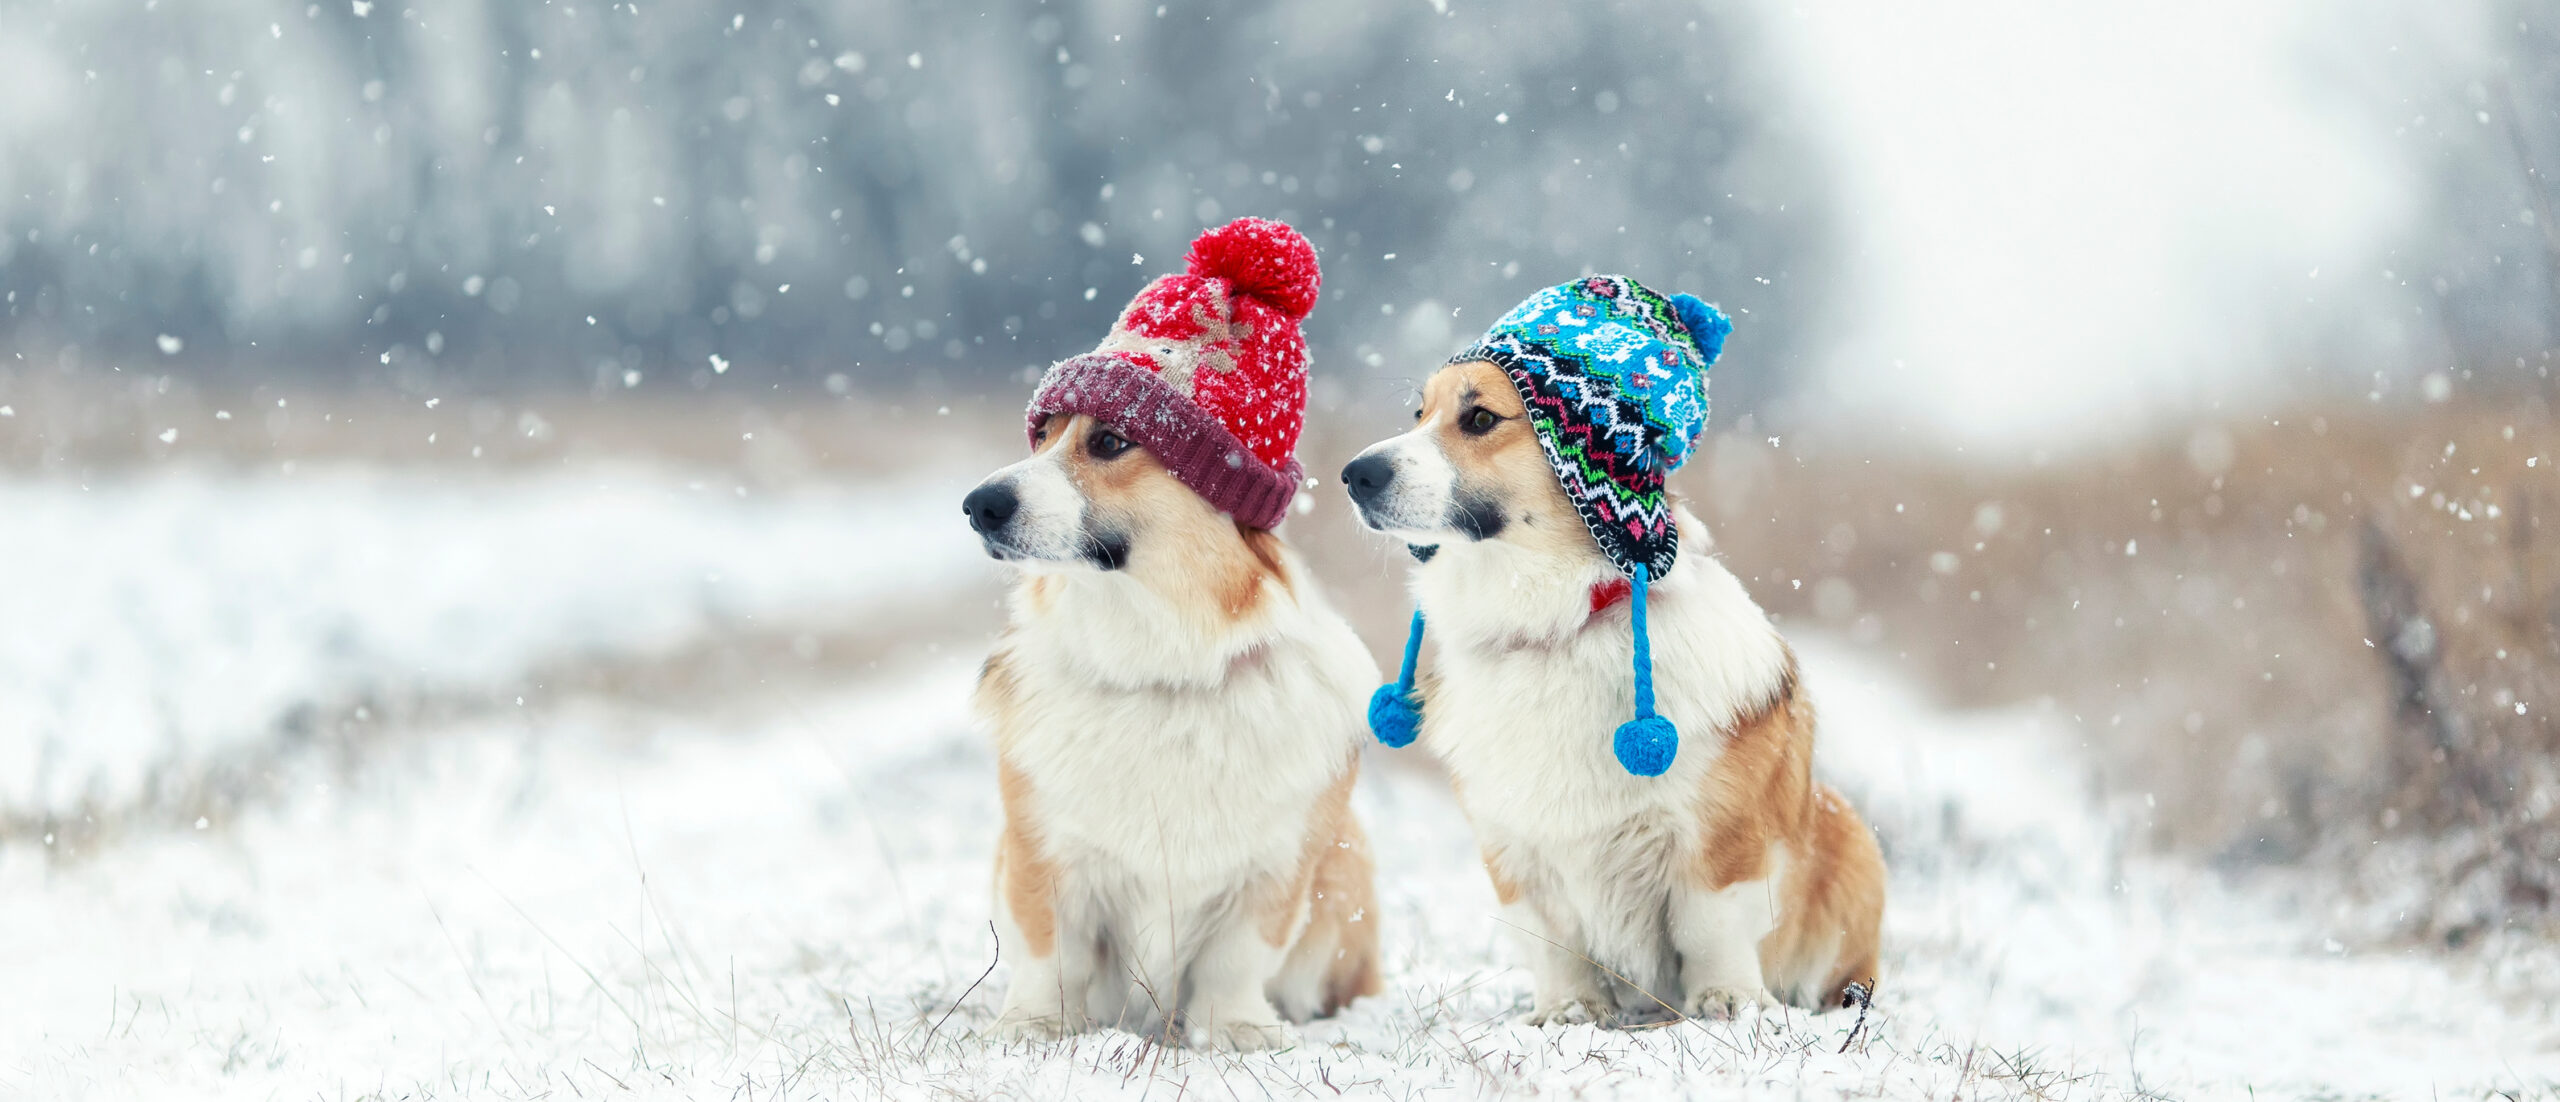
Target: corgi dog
{"x":1730,"y":879}
{"x":1176,"y":710}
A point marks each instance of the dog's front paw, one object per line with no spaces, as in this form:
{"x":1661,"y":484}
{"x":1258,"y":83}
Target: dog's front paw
{"x":1239,"y":1035}
{"x":1582,"y":1010}
{"x":1716,"y":1004}
{"x":1015,"y":1027}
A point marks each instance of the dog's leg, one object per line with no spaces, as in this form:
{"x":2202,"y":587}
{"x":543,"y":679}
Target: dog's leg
{"x":1229,"y":1009}
{"x":1297,"y":984}
{"x":1107,"y":998}
{"x":1718,"y":932}
{"x":1053,"y":955}
{"x":1623,"y":900}
{"x":1150,"y":939}
{"x":1570,"y":989}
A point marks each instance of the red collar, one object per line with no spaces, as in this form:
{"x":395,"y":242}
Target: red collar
{"x":1609,"y":593}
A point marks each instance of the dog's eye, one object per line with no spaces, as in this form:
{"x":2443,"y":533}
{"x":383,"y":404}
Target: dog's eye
{"x":1479,"y":421}
{"x":1106,"y":444}
{"x":1417,"y":416}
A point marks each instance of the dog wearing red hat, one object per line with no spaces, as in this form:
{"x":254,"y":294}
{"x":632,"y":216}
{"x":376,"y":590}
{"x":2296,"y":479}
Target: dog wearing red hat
{"x":1177,"y":713}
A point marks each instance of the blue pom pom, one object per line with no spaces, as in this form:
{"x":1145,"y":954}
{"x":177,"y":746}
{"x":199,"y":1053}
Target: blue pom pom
{"x":1706,"y":324}
{"x":1645,"y":745}
{"x":1394,"y":717}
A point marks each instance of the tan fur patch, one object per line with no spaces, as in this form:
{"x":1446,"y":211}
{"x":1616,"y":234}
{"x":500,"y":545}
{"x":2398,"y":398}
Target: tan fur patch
{"x":999,"y":695}
{"x":1025,"y":877}
{"x":1241,"y":590}
{"x":1459,"y":388}
{"x":1326,"y":825}
{"x":1761,"y":794}
{"x":1268,"y":553}
{"x":1844,"y":896}
{"x":1758,"y":789}
{"x":1506,"y":463}
{"x":1334,"y":887}
{"x":1030,"y":882}
{"x":1506,"y":890}
{"x":1179,"y":544}
{"x":1344,"y":905}
{"x":1022,"y":870}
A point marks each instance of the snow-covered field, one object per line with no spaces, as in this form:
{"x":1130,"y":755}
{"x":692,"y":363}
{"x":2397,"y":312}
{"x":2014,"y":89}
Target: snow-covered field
{"x":150,"y":623}
{"x":780,"y":892}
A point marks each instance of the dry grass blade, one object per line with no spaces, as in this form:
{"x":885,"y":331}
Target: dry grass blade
{"x":992,"y":961}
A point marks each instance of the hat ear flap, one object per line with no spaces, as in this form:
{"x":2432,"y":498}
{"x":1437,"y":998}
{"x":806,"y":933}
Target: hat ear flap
{"x":1706,"y":325}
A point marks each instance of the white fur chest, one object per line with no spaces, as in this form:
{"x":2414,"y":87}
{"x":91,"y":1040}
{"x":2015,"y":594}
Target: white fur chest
{"x":1533,"y":685}
{"x":1194,"y":763}
{"x":1526,"y":733}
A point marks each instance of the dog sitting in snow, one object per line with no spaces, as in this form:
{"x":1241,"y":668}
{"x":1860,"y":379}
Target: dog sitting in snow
{"x":1682,"y":862}
{"x":1177,"y":713}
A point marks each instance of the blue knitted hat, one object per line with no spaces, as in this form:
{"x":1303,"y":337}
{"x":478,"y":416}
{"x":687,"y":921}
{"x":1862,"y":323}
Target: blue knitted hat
{"x":1614,"y":376}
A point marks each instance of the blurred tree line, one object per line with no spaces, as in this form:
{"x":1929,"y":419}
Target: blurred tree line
{"x":566,"y":193}
{"x":2483,"y":263}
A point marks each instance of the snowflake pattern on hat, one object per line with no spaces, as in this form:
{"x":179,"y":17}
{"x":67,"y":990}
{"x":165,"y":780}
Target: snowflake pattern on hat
{"x":1615,"y":380}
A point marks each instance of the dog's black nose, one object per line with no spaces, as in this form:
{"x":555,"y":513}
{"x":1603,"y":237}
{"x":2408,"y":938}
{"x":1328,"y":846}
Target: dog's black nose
{"x":990,"y":506}
{"x":1368,"y":477}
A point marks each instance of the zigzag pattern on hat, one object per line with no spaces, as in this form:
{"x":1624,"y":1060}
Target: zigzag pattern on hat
{"x":1614,"y":376}
{"x":1596,"y":443}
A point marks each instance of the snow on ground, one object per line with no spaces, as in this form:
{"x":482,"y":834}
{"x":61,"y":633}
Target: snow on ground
{"x":156,"y":620}
{"x":784,"y":895}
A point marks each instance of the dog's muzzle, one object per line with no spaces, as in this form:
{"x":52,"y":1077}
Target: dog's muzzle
{"x":990,"y":507}
{"x":1368,"y":478}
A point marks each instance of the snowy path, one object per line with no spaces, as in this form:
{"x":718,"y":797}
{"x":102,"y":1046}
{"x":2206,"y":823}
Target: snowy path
{"x":784,"y":896}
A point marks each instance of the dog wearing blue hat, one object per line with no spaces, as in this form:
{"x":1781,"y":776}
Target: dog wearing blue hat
{"x":1623,"y":725}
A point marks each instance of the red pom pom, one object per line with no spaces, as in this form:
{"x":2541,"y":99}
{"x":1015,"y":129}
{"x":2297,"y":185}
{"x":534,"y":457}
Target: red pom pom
{"x":1263,"y":260}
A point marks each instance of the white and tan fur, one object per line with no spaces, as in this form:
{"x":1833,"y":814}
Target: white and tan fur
{"x":1177,"y":719}
{"x":1730,"y":879}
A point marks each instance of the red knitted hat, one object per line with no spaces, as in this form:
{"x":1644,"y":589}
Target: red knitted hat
{"x":1207,"y":369}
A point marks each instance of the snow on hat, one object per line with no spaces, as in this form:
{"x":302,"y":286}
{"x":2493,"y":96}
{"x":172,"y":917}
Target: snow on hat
{"x":1207,"y":369}
{"x":1615,"y":380}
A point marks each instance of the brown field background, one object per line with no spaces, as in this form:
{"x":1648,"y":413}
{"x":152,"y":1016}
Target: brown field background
{"x":2323,"y":639}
